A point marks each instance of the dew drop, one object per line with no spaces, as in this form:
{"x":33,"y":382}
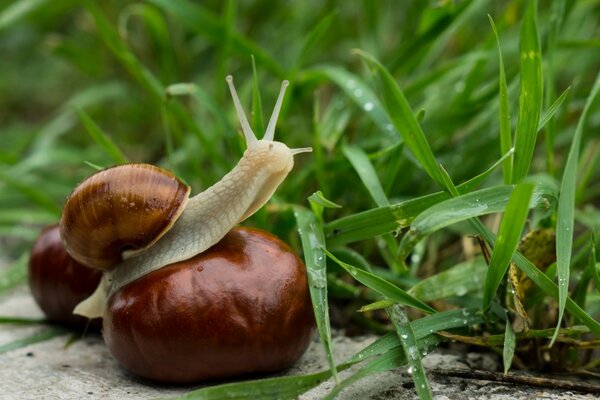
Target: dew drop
{"x":368,"y":106}
{"x":358,"y":92}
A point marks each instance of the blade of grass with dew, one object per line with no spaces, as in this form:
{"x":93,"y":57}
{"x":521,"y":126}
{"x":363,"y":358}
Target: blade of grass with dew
{"x":381,"y":286}
{"x":313,"y":243}
{"x":403,"y":118}
{"x":411,"y":350}
{"x":14,"y":275}
{"x":510,"y":343}
{"x":203,"y":21}
{"x":359,"y":92}
{"x":101,"y":138}
{"x":465,"y":207}
{"x":504,"y":112}
{"x":388,"y":349}
{"x":458,"y":280}
{"x":257,"y":110}
{"x":45,"y":334}
{"x":367,"y":224}
{"x":566,"y":207}
{"x":530,"y":98}
{"x":543,"y":282}
{"x":509,"y":235}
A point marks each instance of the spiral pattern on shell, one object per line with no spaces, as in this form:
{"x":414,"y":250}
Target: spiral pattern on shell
{"x":125,"y":208}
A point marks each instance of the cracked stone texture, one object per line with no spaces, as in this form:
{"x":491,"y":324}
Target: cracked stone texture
{"x":86,"y":370}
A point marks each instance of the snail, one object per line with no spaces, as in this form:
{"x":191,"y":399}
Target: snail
{"x":149,"y":220}
{"x":185,"y":295}
{"x":58,"y":282}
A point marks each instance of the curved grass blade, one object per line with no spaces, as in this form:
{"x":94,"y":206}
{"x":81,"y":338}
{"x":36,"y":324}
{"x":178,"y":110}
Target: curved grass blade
{"x":37,"y":337}
{"x":365,"y":170}
{"x":411,"y":350}
{"x":566,"y":208}
{"x":509,"y":236}
{"x":381,"y":286}
{"x":554,"y":107}
{"x":544,"y":283}
{"x":530,"y":99}
{"x":404,"y":120}
{"x":378,"y":221}
{"x":22,"y":321}
{"x":101,"y":138}
{"x":287,"y":387}
{"x":504,"y":112}
{"x":360,"y":93}
{"x":18,"y":10}
{"x":457,"y":281}
{"x":464,"y":207}
{"x":313,"y":244}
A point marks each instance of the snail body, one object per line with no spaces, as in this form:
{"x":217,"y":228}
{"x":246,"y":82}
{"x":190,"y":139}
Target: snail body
{"x":192,"y":225}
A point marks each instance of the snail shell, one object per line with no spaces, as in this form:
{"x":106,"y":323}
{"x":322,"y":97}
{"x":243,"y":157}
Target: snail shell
{"x":120,"y":211}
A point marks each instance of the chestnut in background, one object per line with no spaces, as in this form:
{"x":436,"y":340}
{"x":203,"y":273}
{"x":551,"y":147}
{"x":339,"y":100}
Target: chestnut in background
{"x":241,"y":307}
{"x":57,"y":282}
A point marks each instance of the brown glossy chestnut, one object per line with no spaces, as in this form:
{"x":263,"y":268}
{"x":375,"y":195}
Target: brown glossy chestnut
{"x":241,"y":307}
{"x":58,"y":282}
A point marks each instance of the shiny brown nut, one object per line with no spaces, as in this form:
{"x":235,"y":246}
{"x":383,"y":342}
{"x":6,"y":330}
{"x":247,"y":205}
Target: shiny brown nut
{"x":241,"y":307}
{"x":58,"y":282}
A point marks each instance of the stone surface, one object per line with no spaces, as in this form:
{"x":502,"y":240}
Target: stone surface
{"x":85,"y":370}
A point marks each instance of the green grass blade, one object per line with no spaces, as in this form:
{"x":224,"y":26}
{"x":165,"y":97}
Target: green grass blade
{"x":313,"y":38}
{"x":313,"y":244}
{"x":37,"y":337}
{"x":258,"y":123}
{"x":566,"y":207}
{"x":456,"y":281}
{"x":208,"y":24}
{"x":593,"y":265}
{"x":509,"y":236}
{"x":404,"y":120}
{"x":101,"y":138}
{"x":286,"y":387}
{"x":510,"y":343}
{"x":359,"y":92}
{"x":504,"y":112}
{"x":464,"y":207}
{"x":544,"y":283}
{"x":530,"y":99}
{"x":554,"y":107}
{"x":411,"y":350}
{"x":14,"y":275}
{"x":115,"y":44}
{"x":18,"y":10}
{"x":365,"y":170}
{"x":382,"y":286}
{"x":22,"y":321}
{"x":35,"y":194}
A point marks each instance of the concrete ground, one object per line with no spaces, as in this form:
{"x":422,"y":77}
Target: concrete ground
{"x":86,"y":370}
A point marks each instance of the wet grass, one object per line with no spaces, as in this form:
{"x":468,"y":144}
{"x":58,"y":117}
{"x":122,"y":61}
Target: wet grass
{"x":451,"y":141}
